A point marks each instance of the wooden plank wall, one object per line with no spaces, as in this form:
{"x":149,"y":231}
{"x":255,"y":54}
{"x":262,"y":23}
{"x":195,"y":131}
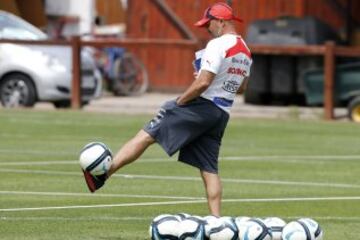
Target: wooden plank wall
{"x":327,"y":13}
{"x":170,"y":68}
{"x":32,"y":11}
{"x":111,"y":11}
{"x":10,"y":6}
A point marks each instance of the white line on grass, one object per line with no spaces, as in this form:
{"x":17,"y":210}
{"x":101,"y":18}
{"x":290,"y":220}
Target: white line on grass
{"x":102,"y":206}
{"x":149,"y":218}
{"x":308,"y":199}
{"x":276,"y":158}
{"x":142,"y":161}
{"x":292,"y":158}
{"x":44,"y":172}
{"x":144,"y":204}
{"x":281,"y":159}
{"x":38,"y":163}
{"x":250,"y":181}
{"x":76,"y":219}
{"x":98,"y":195}
{"x":35,"y":152}
{"x":336,"y":218}
{"x":178,"y":178}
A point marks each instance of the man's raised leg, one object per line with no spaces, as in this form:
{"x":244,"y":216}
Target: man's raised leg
{"x":131,"y":151}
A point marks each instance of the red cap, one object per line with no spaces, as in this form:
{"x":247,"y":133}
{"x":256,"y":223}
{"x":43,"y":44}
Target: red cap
{"x":217,"y":11}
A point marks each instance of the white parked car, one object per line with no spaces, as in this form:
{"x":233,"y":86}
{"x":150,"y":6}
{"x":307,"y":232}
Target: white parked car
{"x":32,"y":73}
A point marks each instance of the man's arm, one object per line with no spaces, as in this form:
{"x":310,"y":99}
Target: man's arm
{"x":243,"y":86}
{"x":197,"y":87}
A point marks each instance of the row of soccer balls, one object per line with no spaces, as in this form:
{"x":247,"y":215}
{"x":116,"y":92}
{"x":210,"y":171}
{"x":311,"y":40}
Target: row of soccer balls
{"x":186,"y":227}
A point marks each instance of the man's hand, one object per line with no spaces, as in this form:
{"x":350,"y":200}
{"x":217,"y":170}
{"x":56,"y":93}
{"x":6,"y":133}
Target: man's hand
{"x":201,"y":83}
{"x":243,"y":86}
{"x":196,"y":74}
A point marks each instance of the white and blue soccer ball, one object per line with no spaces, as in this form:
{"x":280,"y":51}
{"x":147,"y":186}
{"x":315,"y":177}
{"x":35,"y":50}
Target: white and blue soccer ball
{"x":164,"y":227}
{"x":210,"y":222}
{"x":241,"y":219}
{"x":302,"y":229}
{"x":182,"y":216}
{"x":192,"y":228}
{"x":96,"y":158}
{"x":276,"y":226}
{"x":314,"y":227}
{"x":223,"y":228}
{"x":253,"y":229}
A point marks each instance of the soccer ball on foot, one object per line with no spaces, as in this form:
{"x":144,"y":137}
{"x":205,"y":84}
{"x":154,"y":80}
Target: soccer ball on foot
{"x":95,"y":158}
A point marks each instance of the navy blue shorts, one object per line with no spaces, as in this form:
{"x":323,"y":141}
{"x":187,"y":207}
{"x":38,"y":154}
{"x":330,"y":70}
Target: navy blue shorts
{"x":196,"y":129}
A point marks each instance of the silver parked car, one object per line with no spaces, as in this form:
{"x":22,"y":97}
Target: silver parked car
{"x":31,"y":73}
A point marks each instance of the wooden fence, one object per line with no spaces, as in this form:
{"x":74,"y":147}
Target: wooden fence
{"x":329,"y":51}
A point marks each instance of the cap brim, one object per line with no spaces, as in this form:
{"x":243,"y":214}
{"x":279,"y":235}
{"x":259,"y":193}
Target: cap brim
{"x":205,"y":20}
{"x":202,"y":22}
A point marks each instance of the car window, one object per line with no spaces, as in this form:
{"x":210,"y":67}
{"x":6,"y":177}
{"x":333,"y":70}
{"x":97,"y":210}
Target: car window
{"x":12,"y":27}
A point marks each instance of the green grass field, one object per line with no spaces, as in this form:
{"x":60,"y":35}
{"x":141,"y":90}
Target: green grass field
{"x":288,"y":169}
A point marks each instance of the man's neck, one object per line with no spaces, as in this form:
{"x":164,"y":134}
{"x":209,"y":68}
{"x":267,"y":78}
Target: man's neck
{"x":229,"y":30}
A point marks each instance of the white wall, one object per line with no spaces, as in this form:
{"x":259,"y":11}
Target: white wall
{"x":83,"y":9}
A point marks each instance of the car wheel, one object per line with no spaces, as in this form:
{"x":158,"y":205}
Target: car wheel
{"x":131,"y":77}
{"x":354,"y":109}
{"x":17,"y":90}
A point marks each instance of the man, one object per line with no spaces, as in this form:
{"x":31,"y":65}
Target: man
{"x":195,"y":122}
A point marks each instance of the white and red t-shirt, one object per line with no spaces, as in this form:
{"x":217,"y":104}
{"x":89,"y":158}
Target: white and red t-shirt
{"x":230,"y":59}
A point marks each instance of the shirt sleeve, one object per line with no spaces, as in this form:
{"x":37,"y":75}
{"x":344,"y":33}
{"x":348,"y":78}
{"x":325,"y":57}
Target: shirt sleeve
{"x":212,"y":57}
